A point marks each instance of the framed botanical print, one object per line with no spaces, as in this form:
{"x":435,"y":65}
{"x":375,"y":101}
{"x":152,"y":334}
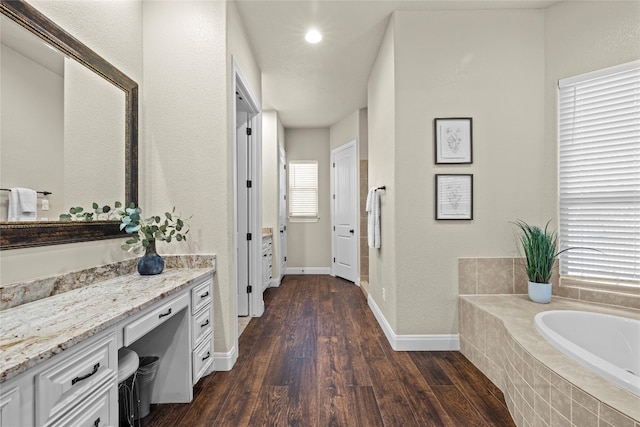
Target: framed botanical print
{"x":453,"y":140}
{"x":454,"y":196}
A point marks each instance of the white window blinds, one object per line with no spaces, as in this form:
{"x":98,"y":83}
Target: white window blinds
{"x":599,"y":133}
{"x":303,"y":189}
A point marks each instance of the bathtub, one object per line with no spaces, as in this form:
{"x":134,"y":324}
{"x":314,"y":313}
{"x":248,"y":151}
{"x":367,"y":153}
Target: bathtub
{"x":607,"y":345}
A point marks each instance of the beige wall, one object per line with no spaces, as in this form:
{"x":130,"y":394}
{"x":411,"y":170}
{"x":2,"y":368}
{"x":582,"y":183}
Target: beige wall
{"x":309,"y":243}
{"x":502,"y":70}
{"x":582,"y":37}
{"x":271,"y":136}
{"x":113,"y":30}
{"x":189,"y":123}
{"x":491,"y":69}
{"x":185,"y":128}
{"x":344,"y":131}
{"x":382,"y":137}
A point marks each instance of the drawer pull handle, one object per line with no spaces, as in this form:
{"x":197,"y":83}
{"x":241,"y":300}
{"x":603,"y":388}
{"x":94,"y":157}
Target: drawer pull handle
{"x":96,"y":423}
{"x":161,"y":315}
{"x":205,"y":324}
{"x":95,"y":369}
{"x":206,"y":294}
{"x":207,"y":356}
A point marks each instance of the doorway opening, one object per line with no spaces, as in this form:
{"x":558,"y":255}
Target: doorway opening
{"x":247,"y":195}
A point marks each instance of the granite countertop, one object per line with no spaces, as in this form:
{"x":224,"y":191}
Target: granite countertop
{"x":267,"y":232}
{"x":32,"y":333}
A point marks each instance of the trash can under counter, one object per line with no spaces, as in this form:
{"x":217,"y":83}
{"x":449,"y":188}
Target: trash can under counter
{"x":144,"y":380}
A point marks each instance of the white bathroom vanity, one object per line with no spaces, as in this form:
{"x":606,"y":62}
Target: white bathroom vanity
{"x":59,"y":355}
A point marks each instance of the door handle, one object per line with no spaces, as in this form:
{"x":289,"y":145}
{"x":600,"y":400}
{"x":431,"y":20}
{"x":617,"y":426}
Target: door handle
{"x":351,"y":231}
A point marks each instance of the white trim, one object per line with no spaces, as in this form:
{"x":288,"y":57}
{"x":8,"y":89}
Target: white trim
{"x":356,"y":165}
{"x":225,"y":361}
{"x":598,"y":73}
{"x":275,"y":282}
{"x":241,"y":85}
{"x":426,"y":342}
{"x":308,"y":270}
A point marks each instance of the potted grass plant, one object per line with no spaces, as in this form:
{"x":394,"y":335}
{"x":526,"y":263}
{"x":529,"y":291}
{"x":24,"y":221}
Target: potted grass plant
{"x":540,"y":250}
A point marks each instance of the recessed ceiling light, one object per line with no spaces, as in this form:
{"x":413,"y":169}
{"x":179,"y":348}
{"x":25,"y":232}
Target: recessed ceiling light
{"x":313,"y":36}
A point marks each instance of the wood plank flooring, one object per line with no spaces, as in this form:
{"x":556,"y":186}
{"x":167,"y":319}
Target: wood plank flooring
{"x":318,"y":358}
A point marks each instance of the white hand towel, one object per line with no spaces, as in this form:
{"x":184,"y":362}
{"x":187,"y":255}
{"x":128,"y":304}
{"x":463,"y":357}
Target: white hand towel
{"x":373,"y":218}
{"x":23,"y":204}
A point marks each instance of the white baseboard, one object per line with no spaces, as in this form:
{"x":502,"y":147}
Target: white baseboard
{"x":308,"y":270}
{"x":427,"y":342}
{"x":225,"y":361}
{"x":275,"y":282}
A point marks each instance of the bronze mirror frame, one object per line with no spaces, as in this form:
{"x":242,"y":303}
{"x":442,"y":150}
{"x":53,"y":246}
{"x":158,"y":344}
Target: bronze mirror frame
{"x":23,"y":235}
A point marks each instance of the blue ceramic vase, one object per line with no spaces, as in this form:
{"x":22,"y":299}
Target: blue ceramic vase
{"x":150,"y":263}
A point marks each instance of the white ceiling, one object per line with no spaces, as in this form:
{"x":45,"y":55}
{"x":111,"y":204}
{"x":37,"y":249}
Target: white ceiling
{"x":318,"y":85}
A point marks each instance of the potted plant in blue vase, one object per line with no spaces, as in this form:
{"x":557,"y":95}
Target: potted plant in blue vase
{"x":144,"y":233}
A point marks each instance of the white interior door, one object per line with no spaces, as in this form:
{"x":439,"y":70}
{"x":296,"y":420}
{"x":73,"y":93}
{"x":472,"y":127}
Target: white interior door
{"x":345,"y":212}
{"x":282,"y":210}
{"x":243,"y":210}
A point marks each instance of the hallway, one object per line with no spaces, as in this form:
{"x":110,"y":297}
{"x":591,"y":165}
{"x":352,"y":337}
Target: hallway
{"x":318,"y":358}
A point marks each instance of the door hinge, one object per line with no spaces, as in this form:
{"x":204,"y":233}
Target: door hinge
{"x":334,"y":260}
{"x":249,"y":183}
{"x":249,"y":289}
{"x":285,"y":259}
{"x":285,"y":166}
{"x":285,"y":228}
{"x":334,"y":228}
{"x":248,"y":131}
{"x":334,"y":165}
{"x":248,"y":236}
{"x":334,"y":197}
{"x":285,"y":197}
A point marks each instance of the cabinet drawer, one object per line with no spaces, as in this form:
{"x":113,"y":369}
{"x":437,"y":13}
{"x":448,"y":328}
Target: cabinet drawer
{"x":10,"y":408}
{"x":136,"y":329}
{"x":201,"y":296}
{"x":98,"y":410}
{"x":75,"y":377}
{"x":202,"y":325}
{"x":202,"y":358}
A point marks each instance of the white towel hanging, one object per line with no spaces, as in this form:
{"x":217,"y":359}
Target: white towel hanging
{"x":373,"y":218}
{"x":23,"y":204}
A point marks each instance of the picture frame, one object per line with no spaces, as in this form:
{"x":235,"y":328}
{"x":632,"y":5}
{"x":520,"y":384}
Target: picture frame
{"x":453,"y":140}
{"x":454,"y":196}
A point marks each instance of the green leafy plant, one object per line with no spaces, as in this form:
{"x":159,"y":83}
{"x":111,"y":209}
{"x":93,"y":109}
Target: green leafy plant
{"x":106,"y":212}
{"x":540,"y":249}
{"x":145,"y":231}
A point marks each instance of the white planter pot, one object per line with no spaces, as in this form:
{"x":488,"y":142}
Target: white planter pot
{"x":540,"y":292}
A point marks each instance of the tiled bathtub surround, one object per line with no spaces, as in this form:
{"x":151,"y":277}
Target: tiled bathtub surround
{"x":15,"y":294}
{"x":492,"y":276}
{"x":542,"y":387}
{"x":507,"y":276}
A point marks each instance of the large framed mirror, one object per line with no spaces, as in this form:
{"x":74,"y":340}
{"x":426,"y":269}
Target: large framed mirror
{"x":120,"y":147}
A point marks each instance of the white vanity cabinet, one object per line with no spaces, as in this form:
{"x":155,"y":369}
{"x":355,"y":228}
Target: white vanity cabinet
{"x":267,"y":261}
{"x":170,"y":316}
{"x":10,"y":407}
{"x":77,"y":387}
{"x":202,"y":329}
{"x":89,"y":373}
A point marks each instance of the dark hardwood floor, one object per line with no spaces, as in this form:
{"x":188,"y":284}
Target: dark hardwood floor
{"x":318,"y":358}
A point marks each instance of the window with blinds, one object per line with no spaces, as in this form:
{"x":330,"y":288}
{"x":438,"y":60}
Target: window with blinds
{"x":303,"y":190}
{"x":599,"y":137}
